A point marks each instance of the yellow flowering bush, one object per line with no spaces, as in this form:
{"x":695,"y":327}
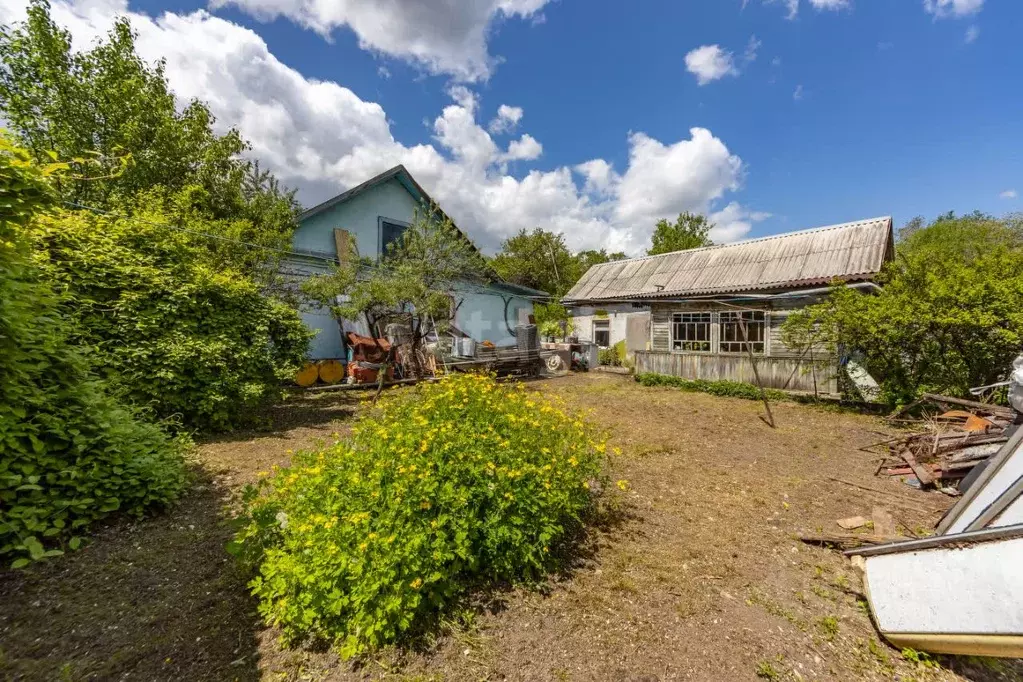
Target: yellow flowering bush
{"x":438,"y":489}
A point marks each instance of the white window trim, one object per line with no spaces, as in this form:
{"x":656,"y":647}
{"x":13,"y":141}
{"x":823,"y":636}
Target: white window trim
{"x":593,"y":330}
{"x":715,"y":335}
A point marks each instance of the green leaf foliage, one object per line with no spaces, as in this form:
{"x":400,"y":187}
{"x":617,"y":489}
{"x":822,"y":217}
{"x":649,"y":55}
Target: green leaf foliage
{"x":689,"y":231}
{"x":112,"y":116}
{"x":730,"y":389}
{"x":70,"y":452}
{"x":948,"y":317}
{"x":443,"y":487}
{"x":179,"y":329}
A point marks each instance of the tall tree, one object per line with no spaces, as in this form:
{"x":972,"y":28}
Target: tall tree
{"x":947,"y":317}
{"x":538,"y":259}
{"x":689,"y":231}
{"x":107,"y":105}
{"x":587,"y":259}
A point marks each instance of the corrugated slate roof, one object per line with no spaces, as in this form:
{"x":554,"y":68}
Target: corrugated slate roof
{"x":850,"y":251}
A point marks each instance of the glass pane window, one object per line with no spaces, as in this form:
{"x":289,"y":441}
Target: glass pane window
{"x":602,"y":333}
{"x":390,"y":236}
{"x":691,"y":332}
{"x":732,"y":340}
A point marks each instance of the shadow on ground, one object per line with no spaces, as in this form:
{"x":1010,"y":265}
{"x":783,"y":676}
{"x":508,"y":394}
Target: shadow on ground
{"x":157,"y":599}
{"x":298,"y":410}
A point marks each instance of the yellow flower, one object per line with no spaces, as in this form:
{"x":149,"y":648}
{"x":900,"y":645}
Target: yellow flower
{"x":623,"y":484}
{"x":425,"y":504}
{"x":416,"y":584}
{"x":586,"y":484}
{"x":363,"y":546}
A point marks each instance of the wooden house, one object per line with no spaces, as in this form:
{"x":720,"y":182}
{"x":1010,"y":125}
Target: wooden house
{"x":683,"y":313}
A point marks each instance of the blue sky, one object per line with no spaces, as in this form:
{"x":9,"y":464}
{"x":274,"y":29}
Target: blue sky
{"x":812,"y":111}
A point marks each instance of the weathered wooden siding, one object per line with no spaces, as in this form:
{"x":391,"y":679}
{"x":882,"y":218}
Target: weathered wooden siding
{"x":660,"y":325}
{"x":775,"y":372}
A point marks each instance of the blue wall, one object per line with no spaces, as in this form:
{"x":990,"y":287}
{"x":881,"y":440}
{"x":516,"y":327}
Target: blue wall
{"x":360,"y":217}
{"x":485,"y":313}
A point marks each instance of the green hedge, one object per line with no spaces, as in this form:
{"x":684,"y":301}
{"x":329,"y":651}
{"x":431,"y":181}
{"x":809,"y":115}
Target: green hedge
{"x":176,"y":329}
{"x":70,"y":453}
{"x":442,"y":487}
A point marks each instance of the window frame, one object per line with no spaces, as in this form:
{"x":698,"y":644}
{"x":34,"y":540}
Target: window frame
{"x":765,"y":326}
{"x":381,"y":252}
{"x":605,"y":327}
{"x":709,"y":321}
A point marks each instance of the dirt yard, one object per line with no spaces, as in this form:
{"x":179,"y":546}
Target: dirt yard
{"x":699,"y":577}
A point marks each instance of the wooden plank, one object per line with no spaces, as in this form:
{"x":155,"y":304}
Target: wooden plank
{"x":343,"y":245}
{"x":884,"y":523}
{"x":921,"y":472}
{"x":984,"y":407}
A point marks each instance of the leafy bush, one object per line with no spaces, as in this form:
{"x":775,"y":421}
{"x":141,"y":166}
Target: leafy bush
{"x":731,"y":389}
{"x":441,"y":487}
{"x":609,"y":357}
{"x":69,"y":452}
{"x":173,"y":326}
{"x":947,"y":318}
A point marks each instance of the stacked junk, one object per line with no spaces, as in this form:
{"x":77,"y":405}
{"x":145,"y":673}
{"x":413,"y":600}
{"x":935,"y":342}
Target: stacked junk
{"x":960,"y":590}
{"x":450,"y":352}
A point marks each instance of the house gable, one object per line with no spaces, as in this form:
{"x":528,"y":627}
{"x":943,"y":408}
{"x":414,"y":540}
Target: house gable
{"x":360,"y":215}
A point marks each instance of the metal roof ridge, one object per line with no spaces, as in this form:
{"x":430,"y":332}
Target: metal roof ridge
{"x":765,"y":238}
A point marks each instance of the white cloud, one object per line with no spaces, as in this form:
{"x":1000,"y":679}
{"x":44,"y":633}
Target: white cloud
{"x":953,"y":8}
{"x":752,"y":47}
{"x":383,"y":72}
{"x":792,"y":6}
{"x":507,"y":119}
{"x":831,"y":4}
{"x":733,"y":222}
{"x":709,"y":63}
{"x":322,"y":138}
{"x":972,"y":33}
{"x":525,"y":148}
{"x":798,"y":93}
{"x":1008,"y":194}
{"x":443,"y":36}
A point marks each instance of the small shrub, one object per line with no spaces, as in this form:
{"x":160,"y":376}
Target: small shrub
{"x":609,"y":357}
{"x":438,"y":489}
{"x":732,"y":389}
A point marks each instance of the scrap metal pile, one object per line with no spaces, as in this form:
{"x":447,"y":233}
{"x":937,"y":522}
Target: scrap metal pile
{"x":956,"y":435}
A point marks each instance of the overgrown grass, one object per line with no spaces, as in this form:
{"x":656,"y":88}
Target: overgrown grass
{"x":731,"y":389}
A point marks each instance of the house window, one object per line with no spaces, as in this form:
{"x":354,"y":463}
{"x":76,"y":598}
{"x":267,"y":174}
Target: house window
{"x":691,"y":332}
{"x":602,"y":333}
{"x":390,"y":234}
{"x":732,"y":340}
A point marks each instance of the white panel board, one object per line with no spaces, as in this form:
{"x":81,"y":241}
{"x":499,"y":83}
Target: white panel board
{"x":974,"y":589}
{"x":1003,"y":479}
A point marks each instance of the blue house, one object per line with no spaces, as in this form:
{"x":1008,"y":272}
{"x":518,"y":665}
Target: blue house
{"x":374,"y":214}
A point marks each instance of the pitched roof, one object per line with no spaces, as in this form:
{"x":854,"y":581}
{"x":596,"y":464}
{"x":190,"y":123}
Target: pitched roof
{"x":850,"y":251}
{"x":420,"y":195}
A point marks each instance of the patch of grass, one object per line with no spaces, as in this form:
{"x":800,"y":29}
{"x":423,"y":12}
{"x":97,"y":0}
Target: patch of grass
{"x":732,"y":389}
{"x":822,"y":592}
{"x":880,"y":655}
{"x":775,"y":609}
{"x":920,"y":658}
{"x":767,"y":671}
{"x":828,"y":626}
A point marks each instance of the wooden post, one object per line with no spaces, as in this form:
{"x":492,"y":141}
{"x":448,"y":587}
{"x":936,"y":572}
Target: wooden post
{"x":756,"y":374}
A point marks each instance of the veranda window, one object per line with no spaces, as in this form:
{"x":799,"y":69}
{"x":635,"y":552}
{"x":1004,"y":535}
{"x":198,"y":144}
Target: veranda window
{"x":691,"y":332}
{"x":731,"y":338}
